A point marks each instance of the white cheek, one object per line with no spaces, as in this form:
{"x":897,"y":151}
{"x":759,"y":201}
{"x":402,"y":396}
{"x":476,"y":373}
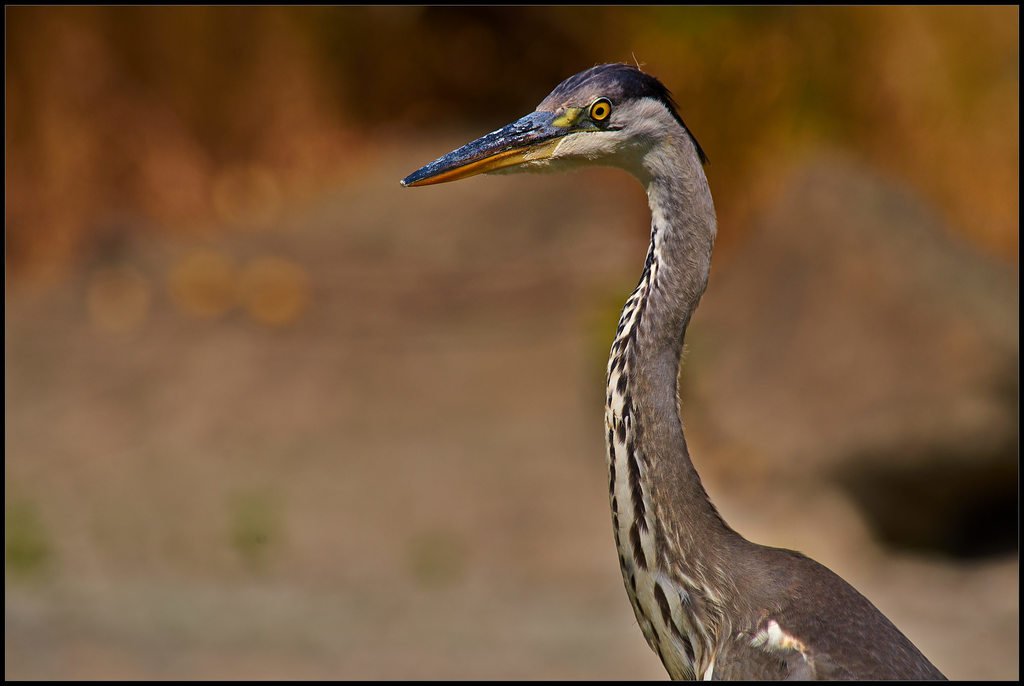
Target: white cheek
{"x":583,"y":147}
{"x":612,"y":149}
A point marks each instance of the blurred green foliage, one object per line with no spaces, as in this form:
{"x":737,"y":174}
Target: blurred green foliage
{"x":125,"y":118}
{"x":27,"y":550}
{"x":255,"y":527}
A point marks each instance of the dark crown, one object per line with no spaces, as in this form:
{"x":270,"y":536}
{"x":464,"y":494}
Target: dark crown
{"x":621,"y":83}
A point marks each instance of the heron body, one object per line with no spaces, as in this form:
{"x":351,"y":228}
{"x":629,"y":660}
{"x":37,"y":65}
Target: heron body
{"x":710,"y":603}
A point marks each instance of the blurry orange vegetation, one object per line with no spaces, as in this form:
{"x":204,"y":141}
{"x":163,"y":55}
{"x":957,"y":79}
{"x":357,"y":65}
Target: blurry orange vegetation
{"x":194,"y":120}
{"x":179,"y":120}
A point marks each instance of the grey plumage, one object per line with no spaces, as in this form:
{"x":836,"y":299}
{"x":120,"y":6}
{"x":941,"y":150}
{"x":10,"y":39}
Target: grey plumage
{"x":710,"y":603}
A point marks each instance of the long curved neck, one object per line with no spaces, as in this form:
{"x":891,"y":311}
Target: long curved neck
{"x":665,"y":525}
{"x":683,"y":229}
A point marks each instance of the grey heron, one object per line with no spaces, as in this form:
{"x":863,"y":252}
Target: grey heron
{"x":710,"y":603}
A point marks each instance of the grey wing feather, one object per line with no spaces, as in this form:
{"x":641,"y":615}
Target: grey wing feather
{"x":827,"y":630}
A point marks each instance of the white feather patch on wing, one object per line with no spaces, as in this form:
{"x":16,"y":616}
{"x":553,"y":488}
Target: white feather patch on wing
{"x":774,"y":639}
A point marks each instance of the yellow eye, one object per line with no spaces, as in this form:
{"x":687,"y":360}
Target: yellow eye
{"x":601,"y":109}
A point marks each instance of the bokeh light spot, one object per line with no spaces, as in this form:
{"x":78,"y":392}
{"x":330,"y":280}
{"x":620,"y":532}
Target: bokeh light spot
{"x":274,"y":291}
{"x":247,"y":196}
{"x":202,"y":284}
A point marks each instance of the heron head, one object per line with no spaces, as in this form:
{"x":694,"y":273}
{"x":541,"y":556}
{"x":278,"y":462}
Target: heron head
{"x":611,"y":114}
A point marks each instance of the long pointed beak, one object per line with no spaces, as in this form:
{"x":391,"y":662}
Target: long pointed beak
{"x":532,"y":138}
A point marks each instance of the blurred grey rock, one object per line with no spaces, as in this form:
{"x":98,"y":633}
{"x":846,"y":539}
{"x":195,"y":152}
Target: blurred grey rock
{"x":854,"y":337}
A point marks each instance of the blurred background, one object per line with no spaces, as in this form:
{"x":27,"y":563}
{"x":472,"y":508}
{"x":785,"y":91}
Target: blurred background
{"x":270,"y":415}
